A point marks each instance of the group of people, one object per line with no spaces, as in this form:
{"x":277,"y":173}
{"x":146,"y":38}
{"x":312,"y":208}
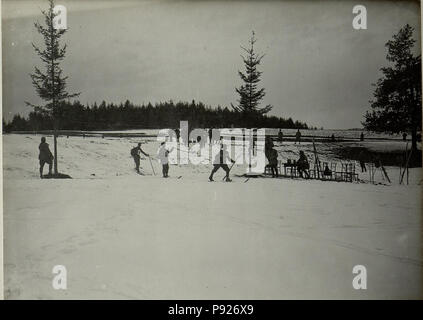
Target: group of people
{"x":271,"y":154}
{"x":297,"y":136}
{"x":220,"y":161}
{"x":162,"y":156}
{"x":163,"y":152}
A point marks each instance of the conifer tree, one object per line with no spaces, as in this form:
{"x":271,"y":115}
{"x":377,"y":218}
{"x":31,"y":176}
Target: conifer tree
{"x":50,"y":84}
{"x":397,"y":103}
{"x":250,"y":95}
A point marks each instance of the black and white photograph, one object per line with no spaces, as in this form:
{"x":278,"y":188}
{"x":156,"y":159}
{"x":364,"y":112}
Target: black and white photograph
{"x":211,"y":150}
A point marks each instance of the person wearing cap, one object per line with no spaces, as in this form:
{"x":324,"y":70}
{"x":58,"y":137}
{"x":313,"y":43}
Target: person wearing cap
{"x":45,"y":156}
{"x":220,"y":162}
{"x":163,"y":158}
{"x":135,"y":153}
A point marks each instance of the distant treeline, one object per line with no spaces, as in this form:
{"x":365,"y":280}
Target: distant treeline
{"x":76,"y":116}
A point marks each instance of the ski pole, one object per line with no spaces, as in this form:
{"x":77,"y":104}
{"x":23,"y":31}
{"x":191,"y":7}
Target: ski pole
{"x":151,"y":165}
{"x":231,"y":166}
{"x":229,"y":170}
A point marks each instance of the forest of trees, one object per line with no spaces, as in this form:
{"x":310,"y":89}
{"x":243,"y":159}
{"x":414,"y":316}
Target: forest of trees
{"x":397,"y":103}
{"x":76,"y":116}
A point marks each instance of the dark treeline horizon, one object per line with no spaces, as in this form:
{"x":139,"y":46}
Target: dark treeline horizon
{"x":125,"y":116}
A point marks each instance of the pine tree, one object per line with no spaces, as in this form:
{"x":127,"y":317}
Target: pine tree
{"x":250,"y":95}
{"x":50,"y":85}
{"x":397,"y":98}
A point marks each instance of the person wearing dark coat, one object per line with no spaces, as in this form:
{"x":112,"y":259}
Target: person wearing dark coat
{"x":280,"y":135}
{"x":273,"y":163}
{"x":268,"y":146}
{"x":298,"y":137}
{"x":362,"y":160}
{"x":303,"y":165}
{"x":404,"y":136}
{"x":135,"y":153}
{"x":220,"y":162}
{"x":45,"y":156}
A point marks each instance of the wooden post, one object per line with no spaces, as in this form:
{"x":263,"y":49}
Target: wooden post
{"x":56,"y":170}
{"x":316,"y":160}
{"x":406,"y":166}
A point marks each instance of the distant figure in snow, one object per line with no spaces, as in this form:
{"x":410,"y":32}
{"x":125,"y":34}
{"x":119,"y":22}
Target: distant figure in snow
{"x":273,"y":163}
{"x":280,"y":135}
{"x":135,"y":153}
{"x":45,"y":156}
{"x":362,"y":136}
{"x":302,"y":165}
{"x":220,"y":162}
{"x":268,"y":146}
{"x":178,"y":134}
{"x":332,"y":138}
{"x":362,"y":160}
{"x":163,"y":157}
{"x":298,"y":137}
{"x":210,"y":135}
{"x":404,"y":136}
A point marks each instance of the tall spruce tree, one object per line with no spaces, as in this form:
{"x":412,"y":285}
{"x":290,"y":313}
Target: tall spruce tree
{"x":249,"y":94}
{"x":50,"y":85}
{"x":397,"y":103}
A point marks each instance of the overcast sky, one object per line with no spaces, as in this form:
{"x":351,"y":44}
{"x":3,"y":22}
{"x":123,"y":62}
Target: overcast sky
{"x":317,"y":68}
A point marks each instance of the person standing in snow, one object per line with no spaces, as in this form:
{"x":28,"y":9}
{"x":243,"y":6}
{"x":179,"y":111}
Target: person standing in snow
{"x":163,"y":158}
{"x":362,"y":160}
{"x":220,"y":162}
{"x":178,"y":134}
{"x":268,"y":146}
{"x":404,"y":136}
{"x":273,"y":162}
{"x":45,"y":156}
{"x":280,"y":136}
{"x":298,"y":137}
{"x":135,"y":153}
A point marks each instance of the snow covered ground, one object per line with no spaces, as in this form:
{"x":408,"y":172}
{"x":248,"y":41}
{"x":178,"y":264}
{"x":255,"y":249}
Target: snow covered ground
{"x":122,"y":235}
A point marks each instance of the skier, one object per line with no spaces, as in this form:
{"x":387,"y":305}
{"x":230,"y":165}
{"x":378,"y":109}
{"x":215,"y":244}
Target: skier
{"x":45,"y":156}
{"x":135,"y":153}
{"x":298,"y":137}
{"x":220,"y":162}
{"x":163,"y":158}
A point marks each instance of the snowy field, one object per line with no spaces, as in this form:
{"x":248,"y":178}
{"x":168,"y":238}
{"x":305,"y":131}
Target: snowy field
{"x":126,"y":236}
